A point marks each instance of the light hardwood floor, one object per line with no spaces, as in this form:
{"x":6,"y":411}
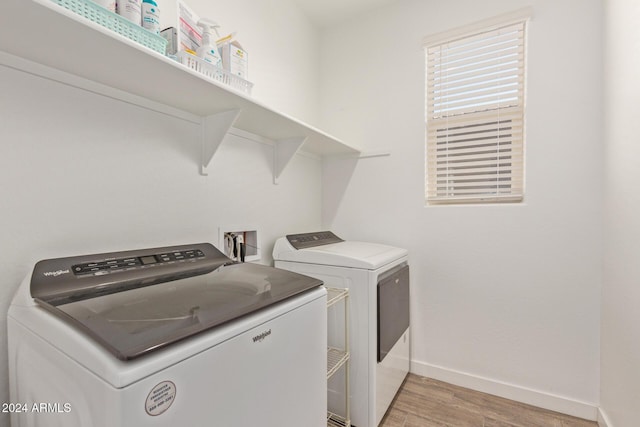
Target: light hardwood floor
{"x":424,"y":402}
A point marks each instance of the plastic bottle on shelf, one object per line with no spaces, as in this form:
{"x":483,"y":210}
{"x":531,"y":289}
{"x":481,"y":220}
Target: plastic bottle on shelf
{"x":130,"y":9}
{"x":208,"y":50}
{"x":151,"y":16}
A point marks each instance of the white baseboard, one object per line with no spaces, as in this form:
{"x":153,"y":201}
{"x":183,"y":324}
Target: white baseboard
{"x":588,"y":411}
{"x":603,"y":420}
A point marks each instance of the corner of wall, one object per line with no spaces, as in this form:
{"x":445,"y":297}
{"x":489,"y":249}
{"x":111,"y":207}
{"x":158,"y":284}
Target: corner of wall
{"x":603,"y":420}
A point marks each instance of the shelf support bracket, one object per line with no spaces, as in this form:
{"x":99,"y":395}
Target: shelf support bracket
{"x":283,"y":152}
{"x":214,"y":128}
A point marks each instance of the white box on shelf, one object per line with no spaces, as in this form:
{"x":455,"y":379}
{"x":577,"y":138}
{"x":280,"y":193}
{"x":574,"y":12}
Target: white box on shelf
{"x":235,"y":59}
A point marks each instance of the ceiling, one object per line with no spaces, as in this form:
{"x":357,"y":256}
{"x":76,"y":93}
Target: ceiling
{"x":328,"y":12}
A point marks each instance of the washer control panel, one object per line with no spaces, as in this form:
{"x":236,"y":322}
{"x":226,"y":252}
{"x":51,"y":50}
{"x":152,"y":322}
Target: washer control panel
{"x":119,"y":264}
{"x":61,"y":280}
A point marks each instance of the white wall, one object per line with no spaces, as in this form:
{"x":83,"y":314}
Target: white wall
{"x":505,"y":298}
{"x":620,"y":364}
{"x":81,"y":173}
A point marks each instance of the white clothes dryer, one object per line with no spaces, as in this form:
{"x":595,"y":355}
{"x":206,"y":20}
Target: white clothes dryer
{"x":377,"y":277}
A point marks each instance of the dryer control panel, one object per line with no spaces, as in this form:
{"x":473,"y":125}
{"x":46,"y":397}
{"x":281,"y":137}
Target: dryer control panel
{"x":309,"y":240}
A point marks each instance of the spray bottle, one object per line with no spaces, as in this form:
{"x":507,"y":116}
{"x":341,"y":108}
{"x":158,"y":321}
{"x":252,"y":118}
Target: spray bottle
{"x":208,"y":50}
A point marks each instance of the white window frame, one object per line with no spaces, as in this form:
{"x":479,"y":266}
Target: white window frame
{"x":475,"y":126}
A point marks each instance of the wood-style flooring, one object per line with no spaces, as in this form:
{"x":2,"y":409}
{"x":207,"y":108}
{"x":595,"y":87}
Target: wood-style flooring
{"x":424,"y":402}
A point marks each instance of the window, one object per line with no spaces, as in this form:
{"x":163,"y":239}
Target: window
{"x":475,"y":115}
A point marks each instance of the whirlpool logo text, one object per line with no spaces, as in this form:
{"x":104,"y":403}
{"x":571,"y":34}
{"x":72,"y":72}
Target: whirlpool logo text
{"x":56,"y":273}
{"x":262,"y":336}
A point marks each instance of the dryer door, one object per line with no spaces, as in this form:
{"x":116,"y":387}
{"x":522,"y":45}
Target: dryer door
{"x":393,"y":308}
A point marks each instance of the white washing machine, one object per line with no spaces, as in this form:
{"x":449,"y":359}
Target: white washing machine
{"x":174,"y":336}
{"x":377,"y":277}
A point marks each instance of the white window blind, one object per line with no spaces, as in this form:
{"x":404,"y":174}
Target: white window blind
{"x":475,"y":116}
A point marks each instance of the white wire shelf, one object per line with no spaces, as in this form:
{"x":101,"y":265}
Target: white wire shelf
{"x":339,"y":357}
{"x":335,"y":294}
{"x":336,"y":358}
{"x":334,"y":420}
